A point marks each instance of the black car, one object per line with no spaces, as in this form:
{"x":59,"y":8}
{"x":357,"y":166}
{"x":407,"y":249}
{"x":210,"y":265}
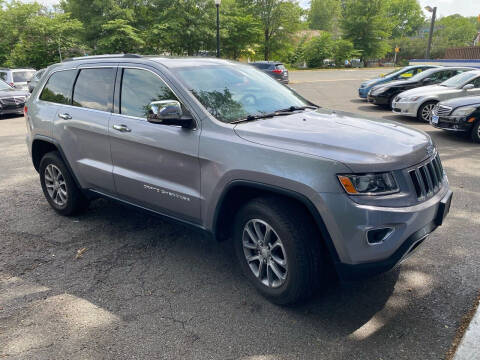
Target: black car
{"x":459,"y":115}
{"x":273,"y":68}
{"x":384,"y":94}
{"x":11,"y":99}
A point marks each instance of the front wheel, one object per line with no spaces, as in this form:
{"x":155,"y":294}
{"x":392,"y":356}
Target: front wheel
{"x":476,"y":132}
{"x":278,"y":249}
{"x":425,"y":112}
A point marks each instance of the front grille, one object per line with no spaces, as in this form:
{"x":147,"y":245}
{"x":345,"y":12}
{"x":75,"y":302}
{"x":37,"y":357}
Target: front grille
{"x":16,"y":100}
{"x":442,"y":110}
{"x":427,"y":179}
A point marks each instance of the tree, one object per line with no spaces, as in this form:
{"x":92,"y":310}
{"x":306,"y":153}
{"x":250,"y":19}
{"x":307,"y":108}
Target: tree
{"x":406,"y":17}
{"x":318,"y":49}
{"x":454,"y":31}
{"x":45,"y":39}
{"x":279,"y":19}
{"x":343,"y":50}
{"x":324,"y":14}
{"x":119,"y":37}
{"x":240,"y":30}
{"x":366,"y":24}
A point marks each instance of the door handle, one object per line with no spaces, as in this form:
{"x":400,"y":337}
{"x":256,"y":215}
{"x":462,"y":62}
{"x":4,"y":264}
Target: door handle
{"x":122,"y":128}
{"x":65,"y":116}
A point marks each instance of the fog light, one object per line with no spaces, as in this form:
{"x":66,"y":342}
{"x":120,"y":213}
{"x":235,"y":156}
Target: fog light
{"x":378,"y":236}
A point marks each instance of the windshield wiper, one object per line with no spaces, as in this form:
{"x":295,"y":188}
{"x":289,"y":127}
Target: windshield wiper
{"x":297,"y":108}
{"x":262,"y":116}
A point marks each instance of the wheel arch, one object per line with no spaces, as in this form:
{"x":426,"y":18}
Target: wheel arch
{"x":239,"y":192}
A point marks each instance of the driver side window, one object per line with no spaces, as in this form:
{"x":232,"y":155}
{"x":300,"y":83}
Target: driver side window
{"x":476,"y":83}
{"x":140,"y":88}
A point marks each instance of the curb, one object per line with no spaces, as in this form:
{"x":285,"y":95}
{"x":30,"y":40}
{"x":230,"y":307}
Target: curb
{"x":469,"y":348}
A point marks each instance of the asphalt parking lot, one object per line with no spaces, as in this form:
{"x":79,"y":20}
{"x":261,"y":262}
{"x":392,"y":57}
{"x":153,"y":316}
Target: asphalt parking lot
{"x":144,"y":288}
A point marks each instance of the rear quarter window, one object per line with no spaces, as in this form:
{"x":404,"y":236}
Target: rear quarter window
{"x":59,"y":87}
{"x":22,"y":76}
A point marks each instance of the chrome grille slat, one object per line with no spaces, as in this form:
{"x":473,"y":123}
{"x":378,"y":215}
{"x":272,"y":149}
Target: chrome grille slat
{"x":427,"y":178}
{"x":442,"y":110}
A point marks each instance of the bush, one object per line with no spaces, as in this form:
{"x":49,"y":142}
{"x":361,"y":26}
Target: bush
{"x":318,"y":49}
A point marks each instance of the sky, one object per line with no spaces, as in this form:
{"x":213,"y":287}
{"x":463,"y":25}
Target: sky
{"x":444,"y":7}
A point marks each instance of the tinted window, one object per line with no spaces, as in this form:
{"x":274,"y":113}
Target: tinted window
{"x":59,"y":87}
{"x":3,"y":76}
{"x":94,"y":89}
{"x":139,"y":89}
{"x":262,"y":65}
{"x":476,"y":82}
{"x":22,"y":76}
{"x":281,"y":67}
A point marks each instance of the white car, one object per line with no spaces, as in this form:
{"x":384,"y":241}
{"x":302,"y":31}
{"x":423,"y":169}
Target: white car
{"x":17,"y":78}
{"x":420,"y":102}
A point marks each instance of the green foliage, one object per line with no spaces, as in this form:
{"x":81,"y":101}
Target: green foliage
{"x":118,"y":37}
{"x":406,"y":16}
{"x":344,"y":50}
{"x":366,"y":24}
{"x":454,"y":31}
{"x":44,"y":39}
{"x":324,"y":14}
{"x":318,"y":49}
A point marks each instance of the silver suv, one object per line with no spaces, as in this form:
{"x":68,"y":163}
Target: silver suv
{"x":225,"y":148}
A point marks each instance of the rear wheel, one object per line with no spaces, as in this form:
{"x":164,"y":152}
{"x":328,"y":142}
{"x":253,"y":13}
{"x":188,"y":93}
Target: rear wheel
{"x":476,"y":132}
{"x":59,"y":187}
{"x":425,"y":111}
{"x":278,"y":249}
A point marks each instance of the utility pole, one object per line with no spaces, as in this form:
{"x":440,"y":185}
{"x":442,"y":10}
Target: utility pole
{"x":217,"y":4}
{"x":430,"y":34}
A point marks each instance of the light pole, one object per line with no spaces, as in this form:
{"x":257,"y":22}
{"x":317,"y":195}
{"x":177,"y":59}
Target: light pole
{"x":432,"y":23}
{"x":217,"y":4}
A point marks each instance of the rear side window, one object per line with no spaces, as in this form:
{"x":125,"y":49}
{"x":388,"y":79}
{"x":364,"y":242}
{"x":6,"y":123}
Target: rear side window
{"x":262,"y":65}
{"x":59,"y":87}
{"x":280,"y":67}
{"x":3,"y":76}
{"x":94,"y":89}
{"x":139,"y":89}
{"x":22,"y":76}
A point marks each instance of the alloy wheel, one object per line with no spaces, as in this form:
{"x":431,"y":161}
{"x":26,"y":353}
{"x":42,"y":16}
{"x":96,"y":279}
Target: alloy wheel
{"x":265,"y":253}
{"x":55,"y":184}
{"x":427,"y":112}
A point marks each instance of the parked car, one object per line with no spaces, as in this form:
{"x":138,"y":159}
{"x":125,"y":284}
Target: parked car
{"x":420,"y":102}
{"x":228,"y":150}
{"x":401,"y":74}
{"x":35,"y":79}
{"x":460,"y":115}
{"x":17,"y":78}
{"x":12,"y":100}
{"x":385,"y":94}
{"x":273,"y":68}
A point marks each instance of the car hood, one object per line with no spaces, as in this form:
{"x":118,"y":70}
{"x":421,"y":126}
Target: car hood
{"x":428,"y":90}
{"x":400,"y":83}
{"x":462,"y":101}
{"x":13,"y":92}
{"x":364,"y":145}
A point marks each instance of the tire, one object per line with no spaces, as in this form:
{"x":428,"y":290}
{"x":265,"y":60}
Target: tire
{"x":476,"y":132}
{"x":390,"y":101}
{"x":59,"y":187}
{"x":300,"y":249}
{"x":423,"y":110}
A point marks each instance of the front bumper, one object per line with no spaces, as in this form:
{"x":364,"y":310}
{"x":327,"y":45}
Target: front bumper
{"x":458,"y":124}
{"x":349,"y":223}
{"x":378,"y":99}
{"x":363,"y":92}
{"x":405,"y":108}
{"x":11,"y":110}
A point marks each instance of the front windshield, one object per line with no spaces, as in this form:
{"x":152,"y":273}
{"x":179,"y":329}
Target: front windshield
{"x":396,"y":72}
{"x":423,"y":74}
{"x":4,"y":85}
{"x":231,"y":93}
{"x":460,"y":79}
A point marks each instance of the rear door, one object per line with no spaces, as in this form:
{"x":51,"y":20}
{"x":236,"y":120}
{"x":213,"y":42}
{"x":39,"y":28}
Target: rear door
{"x":155,"y":165}
{"x":81,"y":126}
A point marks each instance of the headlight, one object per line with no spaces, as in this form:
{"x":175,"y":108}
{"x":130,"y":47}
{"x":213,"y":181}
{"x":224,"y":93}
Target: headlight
{"x":369,"y":184}
{"x":463,"y":111}
{"x":414,"y":98}
{"x":379,"y":90}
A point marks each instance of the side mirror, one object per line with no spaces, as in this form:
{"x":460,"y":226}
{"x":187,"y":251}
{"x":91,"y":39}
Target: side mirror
{"x":468,"y":87}
{"x":168,"y":112}
{"x":427,"y":80}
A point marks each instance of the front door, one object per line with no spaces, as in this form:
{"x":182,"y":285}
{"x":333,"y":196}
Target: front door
{"x":155,"y":166}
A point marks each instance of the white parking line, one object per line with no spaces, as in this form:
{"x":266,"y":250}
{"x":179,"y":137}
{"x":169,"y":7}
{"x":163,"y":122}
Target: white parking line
{"x":329,"y":80}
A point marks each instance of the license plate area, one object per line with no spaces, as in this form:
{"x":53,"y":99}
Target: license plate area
{"x":435,"y":119}
{"x":444,"y":208}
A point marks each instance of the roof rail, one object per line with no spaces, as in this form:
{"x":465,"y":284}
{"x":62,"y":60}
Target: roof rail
{"x":108,"y":56}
